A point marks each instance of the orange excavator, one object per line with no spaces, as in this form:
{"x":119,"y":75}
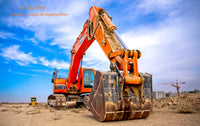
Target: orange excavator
{"x":120,"y":94}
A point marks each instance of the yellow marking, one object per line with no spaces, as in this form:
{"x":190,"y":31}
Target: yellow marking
{"x":114,"y":84}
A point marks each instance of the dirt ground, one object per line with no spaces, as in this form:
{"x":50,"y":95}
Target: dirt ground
{"x":165,"y":112}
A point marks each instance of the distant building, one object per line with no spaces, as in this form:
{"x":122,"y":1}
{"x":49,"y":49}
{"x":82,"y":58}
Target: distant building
{"x":186,"y":92}
{"x":162,"y":94}
{"x":171,"y":94}
{"x":196,"y":91}
{"x":159,"y":94}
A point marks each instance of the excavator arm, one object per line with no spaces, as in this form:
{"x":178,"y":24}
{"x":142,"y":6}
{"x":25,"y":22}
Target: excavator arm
{"x":100,"y":28}
{"x":118,"y":94}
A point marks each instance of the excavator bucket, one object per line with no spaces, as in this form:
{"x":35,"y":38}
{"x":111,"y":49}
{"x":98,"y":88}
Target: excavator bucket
{"x":110,"y":99}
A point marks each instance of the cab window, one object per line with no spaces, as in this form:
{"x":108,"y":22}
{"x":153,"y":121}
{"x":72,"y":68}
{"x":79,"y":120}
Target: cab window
{"x":33,"y":99}
{"x":88,"y":76}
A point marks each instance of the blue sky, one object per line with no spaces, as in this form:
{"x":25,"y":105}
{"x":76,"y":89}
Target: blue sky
{"x":167,"y":33}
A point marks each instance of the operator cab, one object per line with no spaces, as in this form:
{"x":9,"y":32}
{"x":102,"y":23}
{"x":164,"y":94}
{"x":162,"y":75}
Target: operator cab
{"x":88,"y":78}
{"x":84,"y":85}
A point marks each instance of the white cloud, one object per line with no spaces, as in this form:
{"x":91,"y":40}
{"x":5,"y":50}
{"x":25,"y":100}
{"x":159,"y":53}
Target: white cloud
{"x":13,"y":53}
{"x":160,"y":6}
{"x":174,"y":30}
{"x":54,"y":63}
{"x":33,"y":40}
{"x":23,"y":59}
{"x":24,"y":73}
{"x":95,"y":58}
{"x":8,"y":35}
{"x":5,"y":35}
{"x":63,"y":42}
{"x":42,"y":71}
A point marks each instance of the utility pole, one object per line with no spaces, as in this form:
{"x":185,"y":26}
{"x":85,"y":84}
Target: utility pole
{"x":176,"y":85}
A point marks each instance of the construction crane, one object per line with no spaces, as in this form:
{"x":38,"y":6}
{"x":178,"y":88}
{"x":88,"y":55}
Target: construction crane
{"x":176,"y":85}
{"x":120,"y":94}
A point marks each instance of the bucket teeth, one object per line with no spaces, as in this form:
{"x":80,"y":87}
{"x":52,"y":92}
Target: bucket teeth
{"x":111,"y":100}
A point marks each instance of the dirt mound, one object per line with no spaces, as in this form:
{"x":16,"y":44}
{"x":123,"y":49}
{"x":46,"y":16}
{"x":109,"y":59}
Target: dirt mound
{"x":188,"y":103}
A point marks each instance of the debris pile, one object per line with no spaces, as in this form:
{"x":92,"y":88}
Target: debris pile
{"x":188,"y":103}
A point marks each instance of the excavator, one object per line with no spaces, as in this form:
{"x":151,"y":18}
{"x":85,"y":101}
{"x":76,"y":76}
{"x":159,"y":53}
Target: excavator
{"x":122,"y":93}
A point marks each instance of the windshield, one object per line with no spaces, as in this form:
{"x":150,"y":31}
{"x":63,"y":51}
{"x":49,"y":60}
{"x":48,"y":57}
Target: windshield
{"x":33,"y":99}
{"x":88,"y":76}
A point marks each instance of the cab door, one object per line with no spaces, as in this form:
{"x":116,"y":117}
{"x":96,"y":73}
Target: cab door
{"x":87,"y":80}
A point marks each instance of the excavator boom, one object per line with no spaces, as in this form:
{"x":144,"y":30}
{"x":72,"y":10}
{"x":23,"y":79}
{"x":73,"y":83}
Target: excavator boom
{"x":100,"y":28}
